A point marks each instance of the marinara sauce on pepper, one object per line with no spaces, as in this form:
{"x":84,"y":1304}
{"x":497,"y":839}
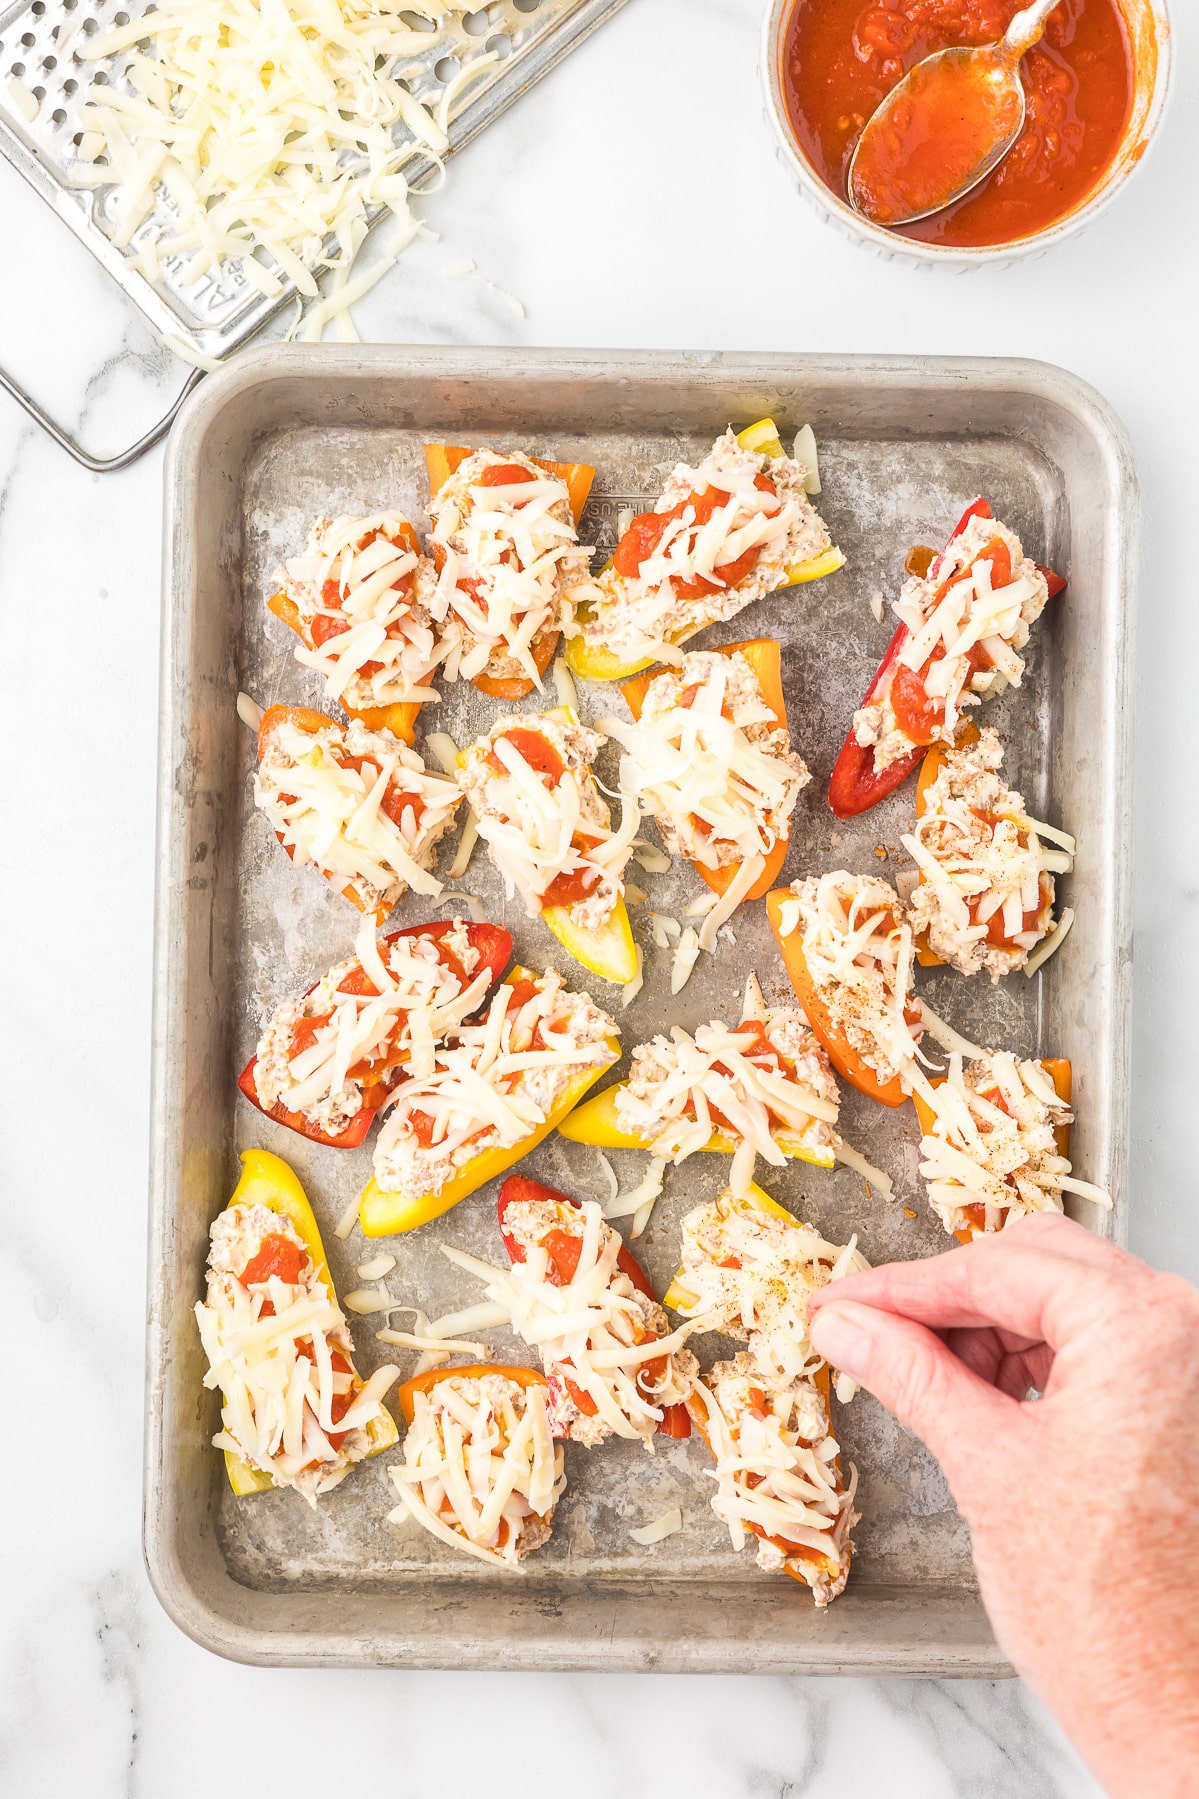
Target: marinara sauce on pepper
{"x":841,"y":58}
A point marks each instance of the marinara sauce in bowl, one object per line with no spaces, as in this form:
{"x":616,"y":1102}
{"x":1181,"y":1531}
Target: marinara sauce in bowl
{"x":1096,"y":86}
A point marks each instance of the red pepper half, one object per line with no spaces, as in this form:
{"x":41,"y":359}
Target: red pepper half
{"x":494,"y":945}
{"x":855,"y":785}
{"x":676,"y":1421}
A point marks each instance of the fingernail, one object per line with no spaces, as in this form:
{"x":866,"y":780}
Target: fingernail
{"x":840,"y":1333}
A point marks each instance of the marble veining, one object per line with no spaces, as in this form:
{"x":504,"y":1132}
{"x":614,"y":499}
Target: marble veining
{"x":634,"y":198}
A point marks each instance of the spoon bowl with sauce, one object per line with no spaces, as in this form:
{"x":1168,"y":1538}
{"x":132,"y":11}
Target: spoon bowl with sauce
{"x":945,"y":126}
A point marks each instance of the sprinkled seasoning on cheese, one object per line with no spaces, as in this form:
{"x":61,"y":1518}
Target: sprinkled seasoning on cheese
{"x":986,"y":888}
{"x":280,"y":1351}
{"x":491,"y":1085}
{"x":993,"y":1152}
{"x":710,"y":762}
{"x":481,"y":1470}
{"x":713,"y":556}
{"x":359,"y":805}
{"x":964,"y":634}
{"x":538,"y":809}
{"x":612,"y":1361}
{"x":507,"y":556}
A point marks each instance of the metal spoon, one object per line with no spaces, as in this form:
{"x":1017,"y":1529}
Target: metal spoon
{"x":985,"y":78}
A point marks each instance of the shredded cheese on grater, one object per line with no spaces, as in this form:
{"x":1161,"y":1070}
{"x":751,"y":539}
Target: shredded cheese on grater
{"x":612,"y":1361}
{"x":360,"y":591}
{"x":481,"y":1471}
{"x":709,"y":761}
{"x":963,"y":635}
{"x":541,"y":828}
{"x":327,"y":794}
{"x":506,"y":556}
{"x":777,"y":1474}
{"x":751,"y":1271}
{"x":366,"y":1038}
{"x":985,"y":866}
{"x":273,"y":1349}
{"x":766,"y":1085}
{"x":993,"y":1152}
{"x":857,"y":943}
{"x":491,"y":1085}
{"x":696,"y":572}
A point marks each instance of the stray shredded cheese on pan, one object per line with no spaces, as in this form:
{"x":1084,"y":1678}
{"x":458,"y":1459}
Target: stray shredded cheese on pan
{"x":659,"y":1530}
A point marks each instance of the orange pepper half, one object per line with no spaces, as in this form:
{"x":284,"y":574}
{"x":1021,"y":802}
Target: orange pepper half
{"x":432,"y":1377}
{"x":848,"y":1062}
{"x":1060,"y":1073}
{"x":765,"y":658}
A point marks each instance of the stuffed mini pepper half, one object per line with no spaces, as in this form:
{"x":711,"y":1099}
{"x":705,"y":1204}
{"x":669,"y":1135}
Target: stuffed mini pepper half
{"x":358,"y":599}
{"x":960,"y":627}
{"x":549,"y":833}
{"x":326,"y":1063}
{"x":721,"y":535}
{"x":476,"y":1104}
{"x":359,"y":805}
{"x":581,"y":1299}
{"x":294,"y":1411}
{"x":505,"y":544}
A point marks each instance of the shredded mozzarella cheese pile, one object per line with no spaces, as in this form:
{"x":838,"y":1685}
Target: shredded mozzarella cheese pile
{"x":365,"y":577}
{"x":481,"y":1470}
{"x":270,"y":1350}
{"x":767,"y":1097}
{"x":329,"y":812}
{"x":857,"y":943}
{"x":488,"y":1086}
{"x":777,"y":1475}
{"x":269,"y":135}
{"x":753,"y":1271}
{"x":594,"y":1332}
{"x":536,"y":832}
{"x":417,"y":1000}
{"x":717,"y":773}
{"x":506,"y":556}
{"x":993,"y":1153}
{"x":979,"y":856}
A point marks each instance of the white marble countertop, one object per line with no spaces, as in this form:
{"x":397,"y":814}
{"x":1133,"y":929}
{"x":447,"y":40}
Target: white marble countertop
{"x":655,"y":117}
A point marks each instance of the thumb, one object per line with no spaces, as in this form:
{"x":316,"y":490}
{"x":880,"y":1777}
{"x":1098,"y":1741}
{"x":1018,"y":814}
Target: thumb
{"x":915,"y":1376}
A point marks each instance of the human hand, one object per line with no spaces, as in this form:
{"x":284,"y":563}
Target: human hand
{"x":1084,"y":1506}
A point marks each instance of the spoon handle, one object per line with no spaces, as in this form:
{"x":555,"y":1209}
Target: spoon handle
{"x":1026,"y":28}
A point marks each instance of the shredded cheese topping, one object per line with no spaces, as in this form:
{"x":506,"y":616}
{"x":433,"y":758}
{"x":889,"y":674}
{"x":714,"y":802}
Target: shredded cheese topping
{"x":777,"y":1474}
{"x":279,"y":1350}
{"x":543,"y":828}
{"x":984,"y":869}
{"x":481,"y":1470}
{"x":709,"y":760}
{"x":506,"y":556}
{"x":965,"y":628}
{"x":993,"y":1154}
{"x":492,"y":1084}
{"x":739,"y":520}
{"x":369,"y":1021}
{"x":360,"y":592}
{"x":751,"y":1271}
{"x":766,"y":1085}
{"x":357,"y":804}
{"x":610,"y":1357}
{"x":857,"y":943}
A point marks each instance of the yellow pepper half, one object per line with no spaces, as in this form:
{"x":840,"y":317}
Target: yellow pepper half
{"x":596,"y":1123}
{"x":384,"y":1214}
{"x":594,"y":663}
{"x":267,"y":1180}
{"x":678,"y":1295}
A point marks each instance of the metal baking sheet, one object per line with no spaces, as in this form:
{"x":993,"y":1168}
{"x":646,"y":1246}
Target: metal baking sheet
{"x":287,"y":434}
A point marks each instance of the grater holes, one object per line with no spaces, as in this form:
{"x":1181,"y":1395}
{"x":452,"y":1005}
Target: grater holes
{"x":69,"y":88}
{"x":49,"y":63}
{"x":17,"y":70}
{"x":28,"y":40}
{"x":475,"y":23}
{"x":90,"y":28}
{"x":446,"y":67}
{"x":39,"y":94}
{"x":122,"y":18}
{"x":99,"y":79}
{"x":526,"y":5}
{"x":500,"y":44}
{"x":416,"y":21}
{"x":58,"y":117}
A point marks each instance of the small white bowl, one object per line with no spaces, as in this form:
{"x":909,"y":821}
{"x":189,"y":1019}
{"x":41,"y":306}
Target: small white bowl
{"x":1149,"y":31}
